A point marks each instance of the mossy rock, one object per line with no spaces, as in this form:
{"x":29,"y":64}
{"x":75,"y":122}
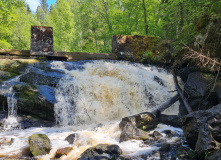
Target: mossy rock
{"x":30,"y":101}
{"x":202,"y":23}
{"x":14,"y":67}
{"x":39,"y":144}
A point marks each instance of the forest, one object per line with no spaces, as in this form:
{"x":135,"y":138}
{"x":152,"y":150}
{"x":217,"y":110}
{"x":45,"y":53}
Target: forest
{"x":88,"y":25}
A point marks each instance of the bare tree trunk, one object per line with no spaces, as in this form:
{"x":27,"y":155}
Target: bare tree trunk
{"x":166,"y":104}
{"x":181,"y":17}
{"x":179,"y":90}
{"x":177,"y":29}
{"x":107,"y":16}
{"x":195,"y":15}
{"x":95,"y":34}
{"x":145,"y":17}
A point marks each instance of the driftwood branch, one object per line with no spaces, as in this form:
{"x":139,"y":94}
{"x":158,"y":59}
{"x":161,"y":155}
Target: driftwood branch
{"x":179,"y":90}
{"x":166,"y":104}
{"x":201,"y":57}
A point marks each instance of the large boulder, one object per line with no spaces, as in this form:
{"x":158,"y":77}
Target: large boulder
{"x":133,"y":48}
{"x":36,"y":100}
{"x":41,"y":78}
{"x":209,"y":36}
{"x":134,"y":127}
{"x":205,"y":141}
{"x":193,"y":123}
{"x":145,"y":121}
{"x":196,"y":89}
{"x":99,"y":151}
{"x":172,"y":120}
{"x":218,"y":91}
{"x":39,"y":144}
{"x":214,"y":155}
{"x":129,"y":131}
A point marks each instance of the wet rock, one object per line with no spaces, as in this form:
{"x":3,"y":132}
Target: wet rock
{"x":193,"y":122}
{"x":144,"y":121}
{"x":196,"y":88}
{"x":159,"y":80}
{"x":157,"y":134}
{"x":63,"y":151}
{"x":170,"y":133}
{"x":183,"y":153}
{"x":39,"y":144}
{"x":172,"y":120}
{"x":205,"y":141}
{"x":129,"y":131}
{"x":165,"y":147}
{"x":134,"y":127}
{"x":218,"y":91}
{"x":184,"y":72}
{"x":32,"y":100}
{"x":71,"y":138}
{"x":213,"y":155}
{"x":97,"y":152}
{"x":41,"y":78}
{"x":3,"y":104}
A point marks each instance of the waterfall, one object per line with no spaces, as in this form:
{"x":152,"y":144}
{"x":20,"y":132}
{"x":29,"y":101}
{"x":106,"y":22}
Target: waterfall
{"x":106,"y":91}
{"x":11,"y":122}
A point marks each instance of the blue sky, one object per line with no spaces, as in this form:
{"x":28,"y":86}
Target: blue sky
{"x":34,"y":4}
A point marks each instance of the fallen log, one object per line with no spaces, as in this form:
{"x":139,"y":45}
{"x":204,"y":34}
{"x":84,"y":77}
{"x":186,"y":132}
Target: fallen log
{"x":166,"y":104}
{"x":179,"y":90}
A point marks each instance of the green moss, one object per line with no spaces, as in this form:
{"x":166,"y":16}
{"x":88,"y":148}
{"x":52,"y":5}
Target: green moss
{"x":28,"y":93}
{"x":202,"y":23}
{"x":39,"y":144}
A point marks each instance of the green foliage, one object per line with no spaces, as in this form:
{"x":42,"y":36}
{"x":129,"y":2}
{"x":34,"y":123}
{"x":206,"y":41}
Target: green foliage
{"x":148,"y":54}
{"x":88,"y":26}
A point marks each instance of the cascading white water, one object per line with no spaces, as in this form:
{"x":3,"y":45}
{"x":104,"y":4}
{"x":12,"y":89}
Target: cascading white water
{"x":11,"y":121}
{"x":106,"y":91}
{"x":101,"y":91}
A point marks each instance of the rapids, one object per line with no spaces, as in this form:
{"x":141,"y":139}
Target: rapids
{"x":91,"y":99}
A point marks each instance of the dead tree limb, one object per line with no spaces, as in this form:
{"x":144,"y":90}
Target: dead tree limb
{"x":201,"y":57}
{"x":179,"y":90}
{"x":166,"y":104}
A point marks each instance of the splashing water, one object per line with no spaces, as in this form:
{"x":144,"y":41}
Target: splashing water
{"x":11,"y":122}
{"x":106,"y":91}
{"x":97,"y":92}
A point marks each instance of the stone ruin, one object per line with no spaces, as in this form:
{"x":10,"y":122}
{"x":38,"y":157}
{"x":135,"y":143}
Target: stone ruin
{"x":42,"y":41}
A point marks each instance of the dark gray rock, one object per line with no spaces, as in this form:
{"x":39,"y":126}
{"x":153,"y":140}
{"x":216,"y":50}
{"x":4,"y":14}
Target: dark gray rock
{"x":198,"y":84}
{"x":145,"y":121}
{"x":193,"y":122}
{"x":97,"y":152}
{"x":184,"y":153}
{"x":196,"y":90}
{"x":184,"y":72}
{"x":205,"y":141}
{"x":172,"y":120}
{"x":41,"y":78}
{"x":134,"y":127}
{"x":159,"y":80}
{"x":36,"y":100}
{"x":39,"y":144}
{"x":129,"y":131}
{"x":157,"y":134}
{"x":218,"y":91}
{"x":214,"y":155}
{"x":71,"y":138}
{"x":165,"y":147}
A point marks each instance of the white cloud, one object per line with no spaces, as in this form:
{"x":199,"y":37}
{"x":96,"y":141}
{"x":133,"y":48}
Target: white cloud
{"x":33,"y":4}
